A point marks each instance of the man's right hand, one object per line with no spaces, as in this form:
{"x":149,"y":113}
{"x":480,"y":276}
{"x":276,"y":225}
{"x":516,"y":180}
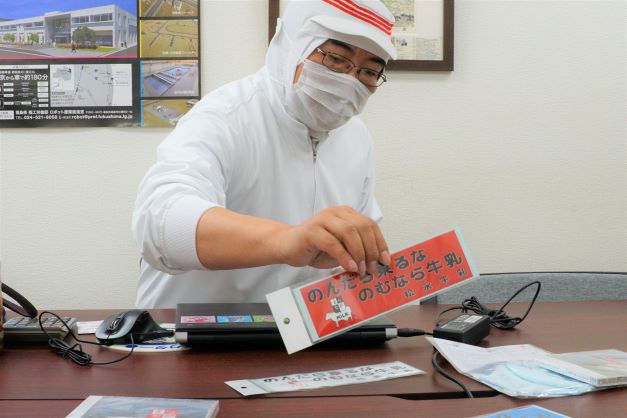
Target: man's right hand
{"x":336,"y":236}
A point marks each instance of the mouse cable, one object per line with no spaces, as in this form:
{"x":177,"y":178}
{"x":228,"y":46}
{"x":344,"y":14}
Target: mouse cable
{"x":75,"y":352}
{"x":498,"y":317}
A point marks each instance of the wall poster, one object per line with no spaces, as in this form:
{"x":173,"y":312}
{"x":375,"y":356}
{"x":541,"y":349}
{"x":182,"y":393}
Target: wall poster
{"x":423,"y":32}
{"x":125,"y":63}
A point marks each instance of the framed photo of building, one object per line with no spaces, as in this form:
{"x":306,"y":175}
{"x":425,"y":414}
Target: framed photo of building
{"x":423,"y":33}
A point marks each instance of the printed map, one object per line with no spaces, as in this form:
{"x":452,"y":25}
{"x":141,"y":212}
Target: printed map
{"x":91,"y":85}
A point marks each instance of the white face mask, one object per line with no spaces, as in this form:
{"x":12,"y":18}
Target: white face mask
{"x":324,"y":100}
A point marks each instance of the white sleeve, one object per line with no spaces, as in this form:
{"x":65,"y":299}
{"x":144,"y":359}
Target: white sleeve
{"x":188,"y":178}
{"x":369,"y":205}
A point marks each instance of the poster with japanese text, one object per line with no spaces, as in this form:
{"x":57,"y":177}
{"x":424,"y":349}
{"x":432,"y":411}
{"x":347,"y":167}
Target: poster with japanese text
{"x":418,"y":32}
{"x":96,"y":62}
{"x":333,"y":305}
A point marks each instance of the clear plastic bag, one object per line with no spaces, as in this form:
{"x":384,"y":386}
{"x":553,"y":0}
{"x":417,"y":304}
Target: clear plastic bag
{"x":528,"y":379}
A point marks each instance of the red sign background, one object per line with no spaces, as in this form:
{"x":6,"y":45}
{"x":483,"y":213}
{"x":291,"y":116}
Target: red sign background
{"x":345,"y":299}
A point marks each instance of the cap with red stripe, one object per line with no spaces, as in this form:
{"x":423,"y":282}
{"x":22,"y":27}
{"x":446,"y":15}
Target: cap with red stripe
{"x":355,"y":10}
{"x":364,"y":23}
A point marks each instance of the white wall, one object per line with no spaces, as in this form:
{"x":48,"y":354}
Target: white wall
{"x":523,"y":147}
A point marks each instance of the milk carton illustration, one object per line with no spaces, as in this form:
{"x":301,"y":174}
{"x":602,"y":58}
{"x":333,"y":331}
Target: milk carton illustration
{"x":341,"y":312}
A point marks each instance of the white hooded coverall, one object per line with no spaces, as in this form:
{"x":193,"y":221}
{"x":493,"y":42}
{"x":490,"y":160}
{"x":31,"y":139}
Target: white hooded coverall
{"x":238,"y":148}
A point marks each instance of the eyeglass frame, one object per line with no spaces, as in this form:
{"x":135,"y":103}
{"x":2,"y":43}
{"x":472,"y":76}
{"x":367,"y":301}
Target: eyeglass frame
{"x":382,"y":75}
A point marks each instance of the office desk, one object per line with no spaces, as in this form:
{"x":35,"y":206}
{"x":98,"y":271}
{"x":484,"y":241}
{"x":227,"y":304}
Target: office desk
{"x":607,"y":404}
{"x":35,"y":373}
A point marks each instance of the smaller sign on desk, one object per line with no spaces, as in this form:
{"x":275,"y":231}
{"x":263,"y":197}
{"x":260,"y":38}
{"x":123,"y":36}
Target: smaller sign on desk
{"x":327,"y":378}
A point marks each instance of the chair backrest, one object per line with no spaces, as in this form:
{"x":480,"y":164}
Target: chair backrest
{"x":556,"y":286}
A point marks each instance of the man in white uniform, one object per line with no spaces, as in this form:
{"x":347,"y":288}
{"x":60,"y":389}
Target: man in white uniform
{"x":268,"y":181}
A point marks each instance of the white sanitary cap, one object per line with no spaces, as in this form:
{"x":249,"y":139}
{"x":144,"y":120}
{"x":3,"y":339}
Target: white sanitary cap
{"x":364,"y":23}
{"x":306,"y":24}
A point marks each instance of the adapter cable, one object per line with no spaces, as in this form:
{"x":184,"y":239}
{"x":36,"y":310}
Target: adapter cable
{"x":411,"y":332}
{"x":75,"y":352}
{"x":498,"y":317}
{"x":438,"y":367}
{"x":415,"y":332}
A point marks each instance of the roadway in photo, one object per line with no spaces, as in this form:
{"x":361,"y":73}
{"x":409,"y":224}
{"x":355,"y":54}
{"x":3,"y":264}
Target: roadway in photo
{"x":43,"y":52}
{"x":25,"y":52}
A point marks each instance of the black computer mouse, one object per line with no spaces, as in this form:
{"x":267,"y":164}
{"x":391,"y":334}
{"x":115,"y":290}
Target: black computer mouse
{"x":135,"y":325}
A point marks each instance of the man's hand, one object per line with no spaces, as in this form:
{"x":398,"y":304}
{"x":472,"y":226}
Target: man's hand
{"x":336,"y":236}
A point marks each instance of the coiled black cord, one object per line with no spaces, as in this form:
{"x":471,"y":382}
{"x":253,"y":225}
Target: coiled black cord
{"x":75,"y":352}
{"x":498,"y":317}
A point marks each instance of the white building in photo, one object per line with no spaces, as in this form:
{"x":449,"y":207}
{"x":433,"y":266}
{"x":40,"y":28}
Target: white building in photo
{"x":114,"y":26}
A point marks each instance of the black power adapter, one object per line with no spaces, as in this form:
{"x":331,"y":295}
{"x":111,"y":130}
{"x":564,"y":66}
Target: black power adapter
{"x":465,"y":328}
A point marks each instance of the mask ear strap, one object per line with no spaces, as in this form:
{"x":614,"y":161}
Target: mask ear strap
{"x":22,"y":305}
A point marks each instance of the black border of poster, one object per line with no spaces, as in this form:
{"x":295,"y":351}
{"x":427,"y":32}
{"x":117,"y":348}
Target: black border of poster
{"x":29,"y":116}
{"x":188,"y":98}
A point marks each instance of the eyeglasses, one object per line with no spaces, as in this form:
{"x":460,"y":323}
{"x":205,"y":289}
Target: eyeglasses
{"x":340,"y":64}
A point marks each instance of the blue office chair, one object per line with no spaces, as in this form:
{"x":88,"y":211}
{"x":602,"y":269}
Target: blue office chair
{"x":556,"y":286}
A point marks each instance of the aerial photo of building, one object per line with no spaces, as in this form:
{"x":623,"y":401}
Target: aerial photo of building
{"x":113,"y":26}
{"x":164,"y":113}
{"x":169,"y":8}
{"x":170,"y":78}
{"x":169,"y":38}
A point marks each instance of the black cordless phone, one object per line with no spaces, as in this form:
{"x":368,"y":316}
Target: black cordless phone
{"x":22,"y":329}
{"x":25,"y":327}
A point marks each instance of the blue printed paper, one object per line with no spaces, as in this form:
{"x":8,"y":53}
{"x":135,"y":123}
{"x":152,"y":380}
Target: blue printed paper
{"x":529,"y":411}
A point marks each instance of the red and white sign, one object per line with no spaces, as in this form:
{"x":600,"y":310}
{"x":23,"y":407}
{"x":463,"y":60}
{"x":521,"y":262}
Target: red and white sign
{"x":319,"y":310}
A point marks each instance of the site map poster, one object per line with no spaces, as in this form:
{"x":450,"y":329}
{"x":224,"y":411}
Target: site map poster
{"x":125,"y":63}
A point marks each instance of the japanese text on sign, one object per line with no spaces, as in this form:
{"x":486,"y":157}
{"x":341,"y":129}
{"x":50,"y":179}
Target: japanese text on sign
{"x":343,"y":300}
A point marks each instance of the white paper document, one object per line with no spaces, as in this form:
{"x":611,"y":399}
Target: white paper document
{"x":327,"y":378}
{"x":465,"y":357}
{"x":521,"y":371}
{"x":88,"y":327}
{"x":597,"y":367}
